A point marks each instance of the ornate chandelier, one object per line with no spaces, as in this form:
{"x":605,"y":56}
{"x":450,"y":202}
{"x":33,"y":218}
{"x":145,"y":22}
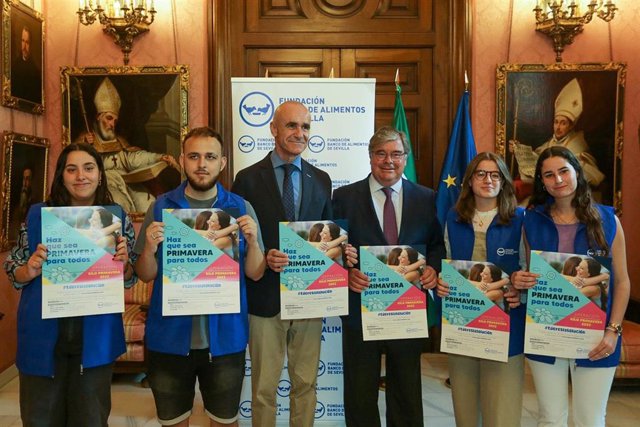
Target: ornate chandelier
{"x":562,"y":20}
{"x":123,"y":20}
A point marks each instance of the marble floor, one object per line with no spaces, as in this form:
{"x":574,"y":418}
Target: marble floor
{"x":133,"y":405}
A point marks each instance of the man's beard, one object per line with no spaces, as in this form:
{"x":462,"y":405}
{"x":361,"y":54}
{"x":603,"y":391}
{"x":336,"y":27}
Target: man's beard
{"x":206,"y":186}
{"x":106,"y":134}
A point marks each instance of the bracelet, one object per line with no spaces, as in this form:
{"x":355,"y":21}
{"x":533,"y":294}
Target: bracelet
{"x":614,"y":327}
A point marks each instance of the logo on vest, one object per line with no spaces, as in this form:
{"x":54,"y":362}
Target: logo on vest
{"x":506,"y":251}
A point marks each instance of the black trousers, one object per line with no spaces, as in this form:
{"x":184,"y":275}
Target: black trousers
{"x":361,"y":364}
{"x":70,"y":399}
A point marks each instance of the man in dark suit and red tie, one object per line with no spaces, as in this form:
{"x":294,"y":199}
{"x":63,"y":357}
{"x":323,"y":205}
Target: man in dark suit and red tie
{"x":283,"y":187}
{"x":384,"y":209}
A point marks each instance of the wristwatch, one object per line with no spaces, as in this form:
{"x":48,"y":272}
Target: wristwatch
{"x":615,"y":327}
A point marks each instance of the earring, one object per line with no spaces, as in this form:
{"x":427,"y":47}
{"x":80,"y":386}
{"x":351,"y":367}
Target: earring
{"x":100,"y":182}
{"x":544,"y":188}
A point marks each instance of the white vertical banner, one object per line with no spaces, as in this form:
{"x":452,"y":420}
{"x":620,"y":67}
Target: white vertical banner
{"x":342,"y":121}
{"x":330,"y":404}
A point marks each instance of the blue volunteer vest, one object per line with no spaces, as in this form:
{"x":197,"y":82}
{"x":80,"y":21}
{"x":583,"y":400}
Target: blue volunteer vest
{"x":503,"y":247}
{"x":102,"y":338}
{"x":228,"y":333}
{"x":542,"y":235}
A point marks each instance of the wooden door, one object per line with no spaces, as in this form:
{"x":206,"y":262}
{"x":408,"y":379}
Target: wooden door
{"x":356,"y":38}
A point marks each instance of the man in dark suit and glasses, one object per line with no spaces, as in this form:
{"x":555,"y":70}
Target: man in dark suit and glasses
{"x":384,"y":209}
{"x":283,"y":187}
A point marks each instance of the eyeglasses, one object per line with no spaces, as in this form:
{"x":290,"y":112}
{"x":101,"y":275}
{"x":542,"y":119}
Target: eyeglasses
{"x":395,"y":156}
{"x":480,"y":175}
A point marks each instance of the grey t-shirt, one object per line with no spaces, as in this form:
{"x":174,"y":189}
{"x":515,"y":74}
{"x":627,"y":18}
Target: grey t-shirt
{"x":199,"y":330}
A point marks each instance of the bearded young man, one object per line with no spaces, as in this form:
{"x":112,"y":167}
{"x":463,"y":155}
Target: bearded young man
{"x":210,"y":348}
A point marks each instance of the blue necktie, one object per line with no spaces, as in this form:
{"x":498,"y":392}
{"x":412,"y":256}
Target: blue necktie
{"x":287,"y":192}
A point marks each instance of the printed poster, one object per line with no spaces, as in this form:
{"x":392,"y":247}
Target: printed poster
{"x":394,"y":306}
{"x":566,"y":309}
{"x":80,"y":276}
{"x":200,"y":267}
{"x":475,"y":319}
{"x":315,"y":283}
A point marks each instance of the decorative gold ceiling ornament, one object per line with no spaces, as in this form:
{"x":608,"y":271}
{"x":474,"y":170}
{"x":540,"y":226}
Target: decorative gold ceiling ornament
{"x":123,"y":20}
{"x":562,"y":20}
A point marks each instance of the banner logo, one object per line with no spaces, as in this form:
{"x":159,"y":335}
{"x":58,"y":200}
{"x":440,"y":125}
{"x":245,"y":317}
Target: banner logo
{"x":256,"y":109}
{"x":320,"y":410}
{"x":321,"y":368}
{"x":247,"y":367}
{"x":246,"y":144}
{"x":316,"y":144}
{"x":284,"y":388}
{"x":245,"y":409}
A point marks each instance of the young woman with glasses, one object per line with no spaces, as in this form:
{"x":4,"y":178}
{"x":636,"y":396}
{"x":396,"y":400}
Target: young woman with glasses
{"x":486,"y":225}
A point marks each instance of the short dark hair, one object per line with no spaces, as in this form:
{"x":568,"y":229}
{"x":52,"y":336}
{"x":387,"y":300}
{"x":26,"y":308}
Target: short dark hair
{"x":203,"y":131}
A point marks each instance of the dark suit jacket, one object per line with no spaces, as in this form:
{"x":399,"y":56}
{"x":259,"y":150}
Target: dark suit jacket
{"x":419,"y":226}
{"x":257,"y":184}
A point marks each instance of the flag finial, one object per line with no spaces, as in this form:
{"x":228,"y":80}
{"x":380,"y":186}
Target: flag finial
{"x":331,"y":73}
{"x":466,"y":81}
{"x":397,"y":79}
{"x":266,"y":73}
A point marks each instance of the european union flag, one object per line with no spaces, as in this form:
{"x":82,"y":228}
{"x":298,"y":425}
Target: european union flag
{"x":461,"y":150}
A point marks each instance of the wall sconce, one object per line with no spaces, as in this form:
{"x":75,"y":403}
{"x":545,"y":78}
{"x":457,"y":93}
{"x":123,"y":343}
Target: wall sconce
{"x":123,"y":20}
{"x":562,"y":23}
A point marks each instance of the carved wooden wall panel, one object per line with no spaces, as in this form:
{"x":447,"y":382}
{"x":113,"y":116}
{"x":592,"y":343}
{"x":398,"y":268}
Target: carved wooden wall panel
{"x":292,"y":62}
{"x":425,"y":39}
{"x":381,"y":16}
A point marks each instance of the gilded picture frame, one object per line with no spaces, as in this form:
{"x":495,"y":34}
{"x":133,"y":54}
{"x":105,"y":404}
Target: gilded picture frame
{"x":529,"y":97}
{"x":22,"y":55}
{"x":136,"y":118}
{"x":23,"y":160}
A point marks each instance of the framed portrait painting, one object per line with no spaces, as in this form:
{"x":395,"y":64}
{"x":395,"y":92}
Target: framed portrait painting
{"x":24,"y":163}
{"x":22,"y":57}
{"x":578,"y":106}
{"x":135,"y":117}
